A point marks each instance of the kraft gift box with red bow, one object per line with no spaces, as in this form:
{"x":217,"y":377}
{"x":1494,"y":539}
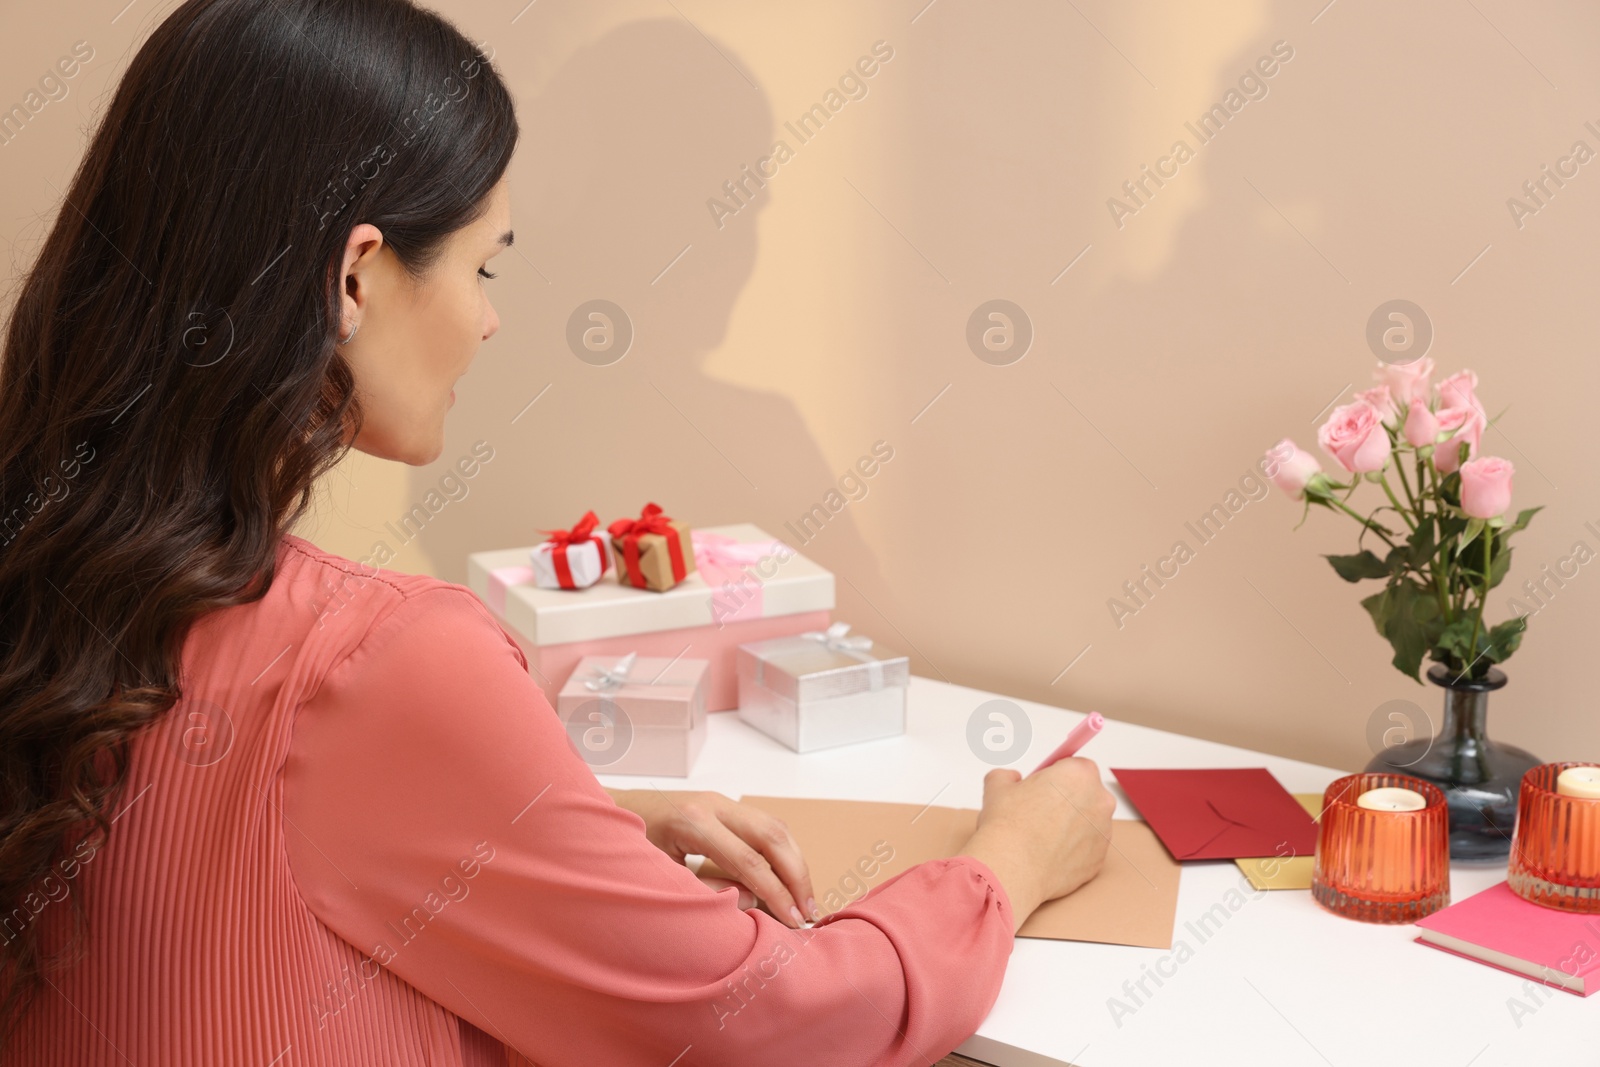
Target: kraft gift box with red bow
{"x":570,"y":559}
{"x":745,"y":586}
{"x":636,"y":715}
{"x":652,"y":551}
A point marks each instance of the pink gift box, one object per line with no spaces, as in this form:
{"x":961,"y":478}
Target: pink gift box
{"x":742,"y":589}
{"x":636,"y":714}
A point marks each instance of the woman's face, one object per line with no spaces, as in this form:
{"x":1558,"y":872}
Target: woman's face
{"x":414,"y":340}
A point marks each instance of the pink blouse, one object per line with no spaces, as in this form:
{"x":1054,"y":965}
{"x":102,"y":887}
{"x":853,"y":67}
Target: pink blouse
{"x":363,"y":837}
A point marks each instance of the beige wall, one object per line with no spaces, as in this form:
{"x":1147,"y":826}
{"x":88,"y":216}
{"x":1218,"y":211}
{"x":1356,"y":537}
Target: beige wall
{"x":1228,"y":311}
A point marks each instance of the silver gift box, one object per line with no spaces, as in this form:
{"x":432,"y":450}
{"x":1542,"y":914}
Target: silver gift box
{"x":819,"y":690}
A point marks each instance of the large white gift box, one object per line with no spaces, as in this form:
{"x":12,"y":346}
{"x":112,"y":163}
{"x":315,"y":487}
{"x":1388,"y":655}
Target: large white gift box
{"x":745,"y":587}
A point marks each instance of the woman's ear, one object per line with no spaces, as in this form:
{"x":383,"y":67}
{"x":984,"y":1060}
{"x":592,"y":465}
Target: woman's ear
{"x":360,"y":254}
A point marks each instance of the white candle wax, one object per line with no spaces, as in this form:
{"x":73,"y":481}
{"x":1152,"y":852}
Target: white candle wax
{"x":1579,"y":782}
{"x":1391,"y":798}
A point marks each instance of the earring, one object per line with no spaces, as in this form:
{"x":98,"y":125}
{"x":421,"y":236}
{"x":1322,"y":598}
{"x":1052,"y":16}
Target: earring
{"x":352,"y":337}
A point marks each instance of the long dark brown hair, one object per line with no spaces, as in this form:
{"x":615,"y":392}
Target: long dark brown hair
{"x":170,"y":389}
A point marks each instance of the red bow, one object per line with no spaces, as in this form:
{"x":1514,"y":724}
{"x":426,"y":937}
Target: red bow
{"x":650,"y":521}
{"x":580,"y":534}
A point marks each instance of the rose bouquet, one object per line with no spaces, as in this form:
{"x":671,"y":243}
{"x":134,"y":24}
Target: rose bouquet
{"x":1444,"y":537}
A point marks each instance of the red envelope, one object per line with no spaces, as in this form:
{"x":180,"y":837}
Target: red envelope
{"x":1220,"y":814}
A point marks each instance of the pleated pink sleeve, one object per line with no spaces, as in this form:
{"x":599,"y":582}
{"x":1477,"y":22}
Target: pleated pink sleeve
{"x":439,"y":820}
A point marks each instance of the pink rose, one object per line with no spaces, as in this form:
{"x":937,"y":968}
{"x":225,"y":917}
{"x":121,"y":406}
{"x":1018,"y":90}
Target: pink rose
{"x":1463,"y":424}
{"x":1290,"y":467}
{"x":1355,"y":437}
{"x":1381,"y":400}
{"x":1486,"y":486}
{"x":1406,"y":381}
{"x":1421,"y":426}
{"x":1460,"y":390}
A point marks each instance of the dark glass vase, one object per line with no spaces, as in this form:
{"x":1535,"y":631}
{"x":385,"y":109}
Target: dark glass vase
{"x":1480,"y":778}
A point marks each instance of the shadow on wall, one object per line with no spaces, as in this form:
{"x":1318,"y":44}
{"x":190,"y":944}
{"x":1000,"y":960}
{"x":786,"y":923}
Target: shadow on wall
{"x":622,"y":153}
{"x":1222,"y":308}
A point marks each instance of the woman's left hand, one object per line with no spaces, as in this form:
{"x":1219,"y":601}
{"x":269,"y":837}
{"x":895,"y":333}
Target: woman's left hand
{"x":755,"y":847}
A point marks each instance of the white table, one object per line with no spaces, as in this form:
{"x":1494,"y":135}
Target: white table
{"x":1280,"y":982}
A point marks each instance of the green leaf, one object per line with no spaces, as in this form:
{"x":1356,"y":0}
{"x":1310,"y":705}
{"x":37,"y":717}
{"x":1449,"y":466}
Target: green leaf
{"x":1378,"y":606}
{"x":1450,"y":527}
{"x":1494,"y":645}
{"x":1456,"y":639}
{"x":1432,"y":627}
{"x":1499,"y":563}
{"x":1474,"y":528}
{"x":1406,"y":615}
{"x":1361,"y":565}
{"x":1406,"y":631}
{"x":1423,"y":545}
{"x":1523,"y":517}
{"x":1450,"y":488}
{"x":1505,"y":638}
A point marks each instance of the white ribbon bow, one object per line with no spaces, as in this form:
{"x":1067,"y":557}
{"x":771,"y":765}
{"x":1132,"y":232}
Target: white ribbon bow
{"x":616,"y":676}
{"x":835,"y":638}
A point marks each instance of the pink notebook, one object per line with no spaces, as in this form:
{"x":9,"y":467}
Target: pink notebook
{"x":1497,"y":927}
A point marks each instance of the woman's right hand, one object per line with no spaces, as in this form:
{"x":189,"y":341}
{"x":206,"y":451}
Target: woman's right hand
{"x":1045,"y":835}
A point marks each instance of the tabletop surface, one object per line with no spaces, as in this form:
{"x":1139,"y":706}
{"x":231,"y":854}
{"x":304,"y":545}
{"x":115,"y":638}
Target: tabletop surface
{"x":1280,"y":980}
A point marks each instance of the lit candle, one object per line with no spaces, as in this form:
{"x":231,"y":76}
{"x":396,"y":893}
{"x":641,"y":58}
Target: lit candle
{"x":1579,"y":782}
{"x":1393,"y":798}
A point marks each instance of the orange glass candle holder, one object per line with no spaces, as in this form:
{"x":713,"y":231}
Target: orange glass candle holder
{"x":1555,"y":852}
{"x":1382,"y":866}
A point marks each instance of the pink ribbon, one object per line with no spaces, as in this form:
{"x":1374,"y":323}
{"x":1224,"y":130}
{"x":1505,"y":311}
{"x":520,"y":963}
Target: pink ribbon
{"x":500,"y":580}
{"x":722,"y":561}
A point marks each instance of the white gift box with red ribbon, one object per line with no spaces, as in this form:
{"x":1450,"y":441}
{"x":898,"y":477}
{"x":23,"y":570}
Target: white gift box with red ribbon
{"x":746,"y":586}
{"x":570,"y":559}
{"x":585,"y":562}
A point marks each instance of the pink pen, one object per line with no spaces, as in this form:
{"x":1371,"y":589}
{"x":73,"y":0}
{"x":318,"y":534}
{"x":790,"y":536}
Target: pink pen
{"x":1081,"y":735}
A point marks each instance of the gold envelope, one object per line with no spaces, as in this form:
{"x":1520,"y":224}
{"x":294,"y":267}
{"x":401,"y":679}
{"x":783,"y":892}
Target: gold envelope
{"x":851,"y":846}
{"x":1276,"y":872}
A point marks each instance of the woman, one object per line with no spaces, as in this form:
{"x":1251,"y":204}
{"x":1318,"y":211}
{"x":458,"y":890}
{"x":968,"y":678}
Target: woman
{"x":244,"y":820}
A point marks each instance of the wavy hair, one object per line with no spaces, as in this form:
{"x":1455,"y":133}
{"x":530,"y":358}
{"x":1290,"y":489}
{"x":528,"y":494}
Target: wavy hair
{"x":170,"y":389}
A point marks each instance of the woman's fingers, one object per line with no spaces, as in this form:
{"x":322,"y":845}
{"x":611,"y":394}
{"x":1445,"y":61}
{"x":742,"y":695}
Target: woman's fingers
{"x":754,"y":847}
{"x":770,"y":836}
{"x":751,"y":867}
